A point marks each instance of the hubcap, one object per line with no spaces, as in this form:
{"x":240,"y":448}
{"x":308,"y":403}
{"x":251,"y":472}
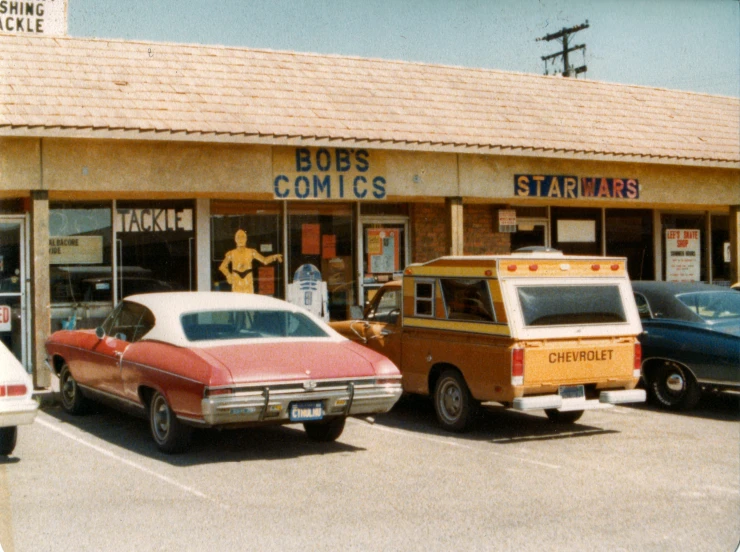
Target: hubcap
{"x":450,"y":400}
{"x":675,"y":383}
{"x":161,"y":415}
{"x":69,"y":389}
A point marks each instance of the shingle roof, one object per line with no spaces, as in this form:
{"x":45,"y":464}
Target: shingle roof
{"x":143,"y":90}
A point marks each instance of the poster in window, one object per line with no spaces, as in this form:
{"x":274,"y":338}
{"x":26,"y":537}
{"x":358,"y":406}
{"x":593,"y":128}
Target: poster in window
{"x":311,"y":239}
{"x":383,"y":247}
{"x":683,"y":255}
{"x":328,"y":246}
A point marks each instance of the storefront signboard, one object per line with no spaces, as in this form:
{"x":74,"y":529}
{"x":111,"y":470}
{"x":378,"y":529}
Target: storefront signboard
{"x":34,"y":17}
{"x":556,"y":186}
{"x":75,"y":250}
{"x":328,"y":174}
{"x":683,"y":257}
{"x":5,"y":318}
{"x":154,"y":220}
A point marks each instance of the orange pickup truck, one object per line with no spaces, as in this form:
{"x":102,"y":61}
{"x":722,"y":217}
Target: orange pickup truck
{"x":528,"y":330}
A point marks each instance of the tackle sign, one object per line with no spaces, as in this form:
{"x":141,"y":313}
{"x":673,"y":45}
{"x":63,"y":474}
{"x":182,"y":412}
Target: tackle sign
{"x":34,"y":17}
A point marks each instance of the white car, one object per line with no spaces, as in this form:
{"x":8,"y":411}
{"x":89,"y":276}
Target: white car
{"x":17,"y":406}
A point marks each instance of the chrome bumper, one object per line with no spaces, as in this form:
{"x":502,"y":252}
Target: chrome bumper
{"x":17,"y":412}
{"x":264,"y":403}
{"x":607,"y":399}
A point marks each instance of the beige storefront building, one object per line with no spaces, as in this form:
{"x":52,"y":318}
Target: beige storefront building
{"x":130,"y":166}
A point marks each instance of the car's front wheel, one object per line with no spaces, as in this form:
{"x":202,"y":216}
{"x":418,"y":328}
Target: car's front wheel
{"x":72,"y":399}
{"x":453,"y":403}
{"x":169,"y":433}
{"x":325,"y":430}
{"x":8,"y":438}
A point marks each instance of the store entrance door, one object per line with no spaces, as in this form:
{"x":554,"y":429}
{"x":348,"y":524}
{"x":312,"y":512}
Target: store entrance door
{"x":13,"y":311}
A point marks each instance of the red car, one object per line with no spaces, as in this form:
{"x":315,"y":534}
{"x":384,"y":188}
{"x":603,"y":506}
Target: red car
{"x":208,"y":359}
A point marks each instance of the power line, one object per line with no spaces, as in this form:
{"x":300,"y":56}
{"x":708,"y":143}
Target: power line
{"x":564,"y":34}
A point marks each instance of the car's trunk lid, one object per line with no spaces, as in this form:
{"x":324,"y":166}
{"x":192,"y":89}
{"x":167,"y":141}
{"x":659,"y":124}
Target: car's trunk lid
{"x":277,"y":361}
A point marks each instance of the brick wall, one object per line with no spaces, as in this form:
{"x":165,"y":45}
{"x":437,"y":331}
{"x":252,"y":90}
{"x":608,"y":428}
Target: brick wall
{"x":428,"y":231}
{"x":480,"y":234}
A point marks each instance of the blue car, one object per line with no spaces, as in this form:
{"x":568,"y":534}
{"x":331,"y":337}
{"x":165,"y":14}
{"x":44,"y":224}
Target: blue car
{"x":691,"y":340}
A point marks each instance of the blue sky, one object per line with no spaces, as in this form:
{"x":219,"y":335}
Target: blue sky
{"x":683,"y":44}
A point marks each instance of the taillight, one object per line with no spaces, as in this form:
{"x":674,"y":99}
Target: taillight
{"x":638,"y":360}
{"x":517,"y":366}
{"x":17,"y":390}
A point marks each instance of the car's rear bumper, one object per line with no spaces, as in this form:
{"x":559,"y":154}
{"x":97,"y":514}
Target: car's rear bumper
{"x":271,"y":403}
{"x":15,"y":412}
{"x":606,"y":399}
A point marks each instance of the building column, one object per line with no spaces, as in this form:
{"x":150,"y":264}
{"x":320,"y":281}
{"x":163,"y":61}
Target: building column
{"x":203,"y":244}
{"x":455,"y":230}
{"x":41,"y":298}
{"x":735,"y":243}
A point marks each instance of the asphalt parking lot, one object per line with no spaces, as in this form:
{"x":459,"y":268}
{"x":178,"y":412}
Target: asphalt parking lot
{"x":628,"y":478}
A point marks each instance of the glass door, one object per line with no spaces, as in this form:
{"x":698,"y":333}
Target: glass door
{"x":12,"y":286}
{"x":384,"y":252}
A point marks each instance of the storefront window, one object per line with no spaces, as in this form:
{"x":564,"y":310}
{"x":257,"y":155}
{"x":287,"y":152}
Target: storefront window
{"x":81,"y":261}
{"x":684,"y":252}
{"x":259,"y":269}
{"x":629,"y":233}
{"x":721,"y":250}
{"x":155,"y":246}
{"x":321,"y":267}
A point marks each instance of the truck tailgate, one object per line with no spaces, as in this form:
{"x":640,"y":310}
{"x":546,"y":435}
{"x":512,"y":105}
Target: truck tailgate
{"x":582,"y":361}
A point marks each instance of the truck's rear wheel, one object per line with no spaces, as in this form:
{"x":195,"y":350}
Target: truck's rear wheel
{"x":453,"y":403}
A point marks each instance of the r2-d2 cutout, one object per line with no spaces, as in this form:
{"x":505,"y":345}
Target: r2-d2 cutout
{"x":309,"y":292}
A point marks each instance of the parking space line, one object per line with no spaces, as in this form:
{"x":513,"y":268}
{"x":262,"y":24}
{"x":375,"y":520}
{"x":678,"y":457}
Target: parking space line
{"x":131,"y":464}
{"x":452,"y":443}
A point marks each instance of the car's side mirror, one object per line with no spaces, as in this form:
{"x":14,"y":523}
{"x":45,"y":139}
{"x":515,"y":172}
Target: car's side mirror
{"x":355,"y":312}
{"x":100,"y":332}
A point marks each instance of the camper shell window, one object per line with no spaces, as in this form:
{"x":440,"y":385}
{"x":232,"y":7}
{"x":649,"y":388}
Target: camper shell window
{"x":566,"y":305}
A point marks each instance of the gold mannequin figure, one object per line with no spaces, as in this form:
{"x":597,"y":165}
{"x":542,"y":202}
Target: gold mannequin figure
{"x":240,"y":259}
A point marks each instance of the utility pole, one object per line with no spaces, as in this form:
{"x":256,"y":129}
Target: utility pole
{"x":565,"y":35}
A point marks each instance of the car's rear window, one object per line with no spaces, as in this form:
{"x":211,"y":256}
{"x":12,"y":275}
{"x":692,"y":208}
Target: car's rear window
{"x":240,"y":324}
{"x":713,"y":305}
{"x":561,"y":305}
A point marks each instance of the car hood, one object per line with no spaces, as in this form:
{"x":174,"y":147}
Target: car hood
{"x":293,"y":360}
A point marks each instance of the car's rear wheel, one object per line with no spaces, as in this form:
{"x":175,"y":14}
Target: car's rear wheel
{"x":169,"y":433}
{"x":453,"y":403}
{"x":558,"y":417}
{"x":325,"y":430}
{"x":73,"y":401}
{"x":672,"y":386}
{"x":8,"y":438}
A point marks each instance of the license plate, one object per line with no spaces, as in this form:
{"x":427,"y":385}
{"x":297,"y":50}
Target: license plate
{"x":306,"y":411}
{"x":571,"y":392}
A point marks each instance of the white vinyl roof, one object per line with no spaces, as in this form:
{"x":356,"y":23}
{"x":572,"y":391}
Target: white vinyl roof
{"x":168,"y":307}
